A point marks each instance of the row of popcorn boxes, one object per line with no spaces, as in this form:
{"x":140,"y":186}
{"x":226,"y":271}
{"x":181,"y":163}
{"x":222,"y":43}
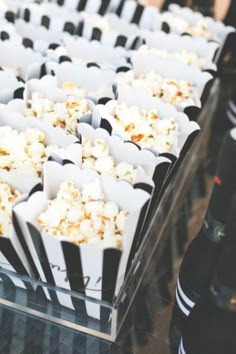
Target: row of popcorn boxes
{"x":107,"y":29}
{"x":86,"y":218}
{"x":177,"y":20}
{"x":191,"y":51}
{"x":175,"y":83}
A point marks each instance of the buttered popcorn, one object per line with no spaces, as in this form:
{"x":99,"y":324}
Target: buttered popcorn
{"x":24,"y":152}
{"x":58,"y":114}
{"x":168,"y":90}
{"x":7,"y":198}
{"x":142,"y":127}
{"x":186,"y":57}
{"x":97,"y":157}
{"x":84,"y":217}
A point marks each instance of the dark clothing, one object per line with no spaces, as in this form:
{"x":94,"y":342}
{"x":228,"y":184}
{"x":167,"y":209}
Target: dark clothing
{"x":168,"y":2}
{"x":230,"y":19}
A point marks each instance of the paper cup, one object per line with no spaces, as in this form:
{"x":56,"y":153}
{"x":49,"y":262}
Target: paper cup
{"x":61,"y":262}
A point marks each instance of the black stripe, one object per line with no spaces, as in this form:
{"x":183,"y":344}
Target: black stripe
{"x":79,"y":29}
{"x":74,"y":273}
{"x":104,"y":6}
{"x":27,"y":43}
{"x":106,"y":125}
{"x":96,"y":34}
{"x":43,"y":70}
{"x":137,"y":42}
{"x":121,"y":41}
{"x":53,"y":46}
{"x":111,"y":261}
{"x":45,"y":21}
{"x":19,"y":93}
{"x":24,"y":245}
{"x":4,"y":36}
{"x":37,"y":188}
{"x":90,"y":65}
{"x":69,"y":27}
{"x":169,"y":156}
{"x":81,"y":5}
{"x":144,"y":186}
{"x":64,"y":58}
{"x":123,"y":69}
{"x":137,"y":14}
{"x":42,"y":255}
{"x":165,"y":27}
{"x":26,"y":15}
{"x":192,"y":112}
{"x":10,"y":254}
{"x":60,"y":2}
{"x":104,"y":100}
{"x":120,"y":7}
{"x":10,"y":16}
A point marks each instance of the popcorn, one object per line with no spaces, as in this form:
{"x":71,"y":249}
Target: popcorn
{"x":200,"y":28}
{"x":7,"y":198}
{"x":144,"y":128}
{"x":24,"y":152}
{"x":168,"y":90}
{"x":92,"y":191}
{"x":59,"y":114}
{"x":84,"y":217}
{"x":104,"y":164}
{"x":186,"y":57}
{"x":120,"y":220}
{"x":111,"y":210}
{"x":97,"y":157}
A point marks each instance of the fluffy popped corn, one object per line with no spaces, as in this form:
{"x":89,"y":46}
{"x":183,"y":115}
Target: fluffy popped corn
{"x":168,"y":90}
{"x":7,"y":198}
{"x":97,"y":157}
{"x":199,"y":29}
{"x":24,"y":152}
{"x":142,"y":127}
{"x":84,"y":217}
{"x":58,"y":114}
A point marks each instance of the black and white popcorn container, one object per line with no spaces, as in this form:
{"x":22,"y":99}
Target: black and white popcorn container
{"x":200,"y":81}
{"x":10,"y":86}
{"x":142,"y":167}
{"x":13,"y":257}
{"x":63,"y":264}
{"x":174,"y":44}
{"x":25,"y":65}
{"x":143,"y":16}
{"x":11,"y":116}
{"x":90,"y":53}
{"x":91,"y":6}
{"x":93,"y":80}
{"x":217,"y":30}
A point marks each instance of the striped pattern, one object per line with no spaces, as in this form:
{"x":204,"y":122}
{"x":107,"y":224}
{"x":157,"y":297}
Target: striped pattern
{"x":184,"y":302}
{"x":99,"y":6}
{"x":71,"y":268}
{"x":231,"y":112}
{"x":181,"y":348}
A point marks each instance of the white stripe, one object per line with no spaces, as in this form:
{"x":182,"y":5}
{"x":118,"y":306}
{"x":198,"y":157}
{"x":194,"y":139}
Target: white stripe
{"x":181,"y":306}
{"x":185,"y":298}
{"x":232,"y":106}
{"x":231,"y":117}
{"x":181,"y":348}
